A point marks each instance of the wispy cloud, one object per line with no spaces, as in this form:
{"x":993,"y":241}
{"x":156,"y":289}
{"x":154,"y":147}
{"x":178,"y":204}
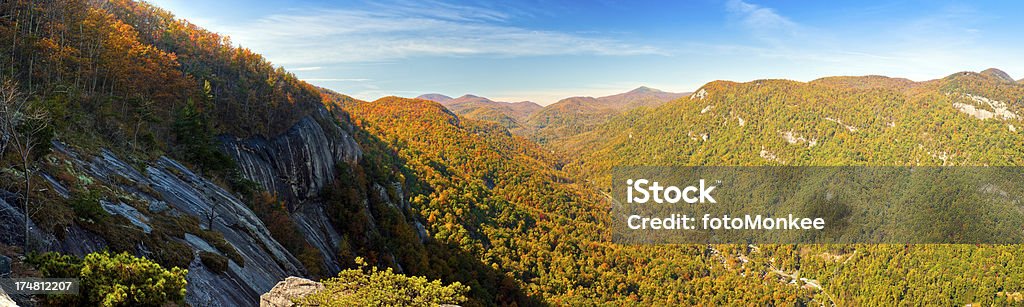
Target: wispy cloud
{"x":758,"y":17}
{"x":313,"y":68}
{"x":442,"y":10}
{"x":410,"y":29}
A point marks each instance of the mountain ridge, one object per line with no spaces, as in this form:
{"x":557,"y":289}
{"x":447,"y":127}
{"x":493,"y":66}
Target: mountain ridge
{"x":435,"y":97}
{"x":575,"y":115}
{"x":998,"y":74}
{"x":509,"y":114}
{"x":854,"y":109}
{"x":569,"y":115}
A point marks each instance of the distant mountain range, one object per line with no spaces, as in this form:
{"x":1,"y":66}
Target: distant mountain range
{"x":640,"y":97}
{"x":575,"y":115}
{"x":511,"y":115}
{"x":569,"y":116}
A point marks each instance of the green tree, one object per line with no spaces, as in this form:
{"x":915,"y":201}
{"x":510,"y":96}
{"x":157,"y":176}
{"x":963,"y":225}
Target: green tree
{"x":374,"y":287}
{"x":114,"y":280}
{"x":195,"y":138}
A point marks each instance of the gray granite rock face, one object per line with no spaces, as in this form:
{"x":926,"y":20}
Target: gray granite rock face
{"x":12,"y":232}
{"x":265,"y":260}
{"x":5,"y":266}
{"x":179,"y":190}
{"x":299,"y":163}
{"x":133,"y":215}
{"x":319,"y":232}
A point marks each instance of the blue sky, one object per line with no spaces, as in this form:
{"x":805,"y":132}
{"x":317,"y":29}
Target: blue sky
{"x":543,"y":51}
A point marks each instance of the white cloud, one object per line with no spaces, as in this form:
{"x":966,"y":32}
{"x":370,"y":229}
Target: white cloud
{"x":409,"y":30}
{"x":758,"y":17}
{"x":313,"y":68}
{"x":766,"y":25}
{"x":442,"y":10}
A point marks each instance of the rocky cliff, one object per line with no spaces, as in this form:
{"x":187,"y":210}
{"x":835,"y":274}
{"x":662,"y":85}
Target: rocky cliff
{"x":150,"y":200}
{"x":299,"y":163}
{"x":175,"y":190}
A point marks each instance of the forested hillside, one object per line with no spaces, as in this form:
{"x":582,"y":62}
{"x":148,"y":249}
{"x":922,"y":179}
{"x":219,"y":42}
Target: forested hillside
{"x":500,"y":199}
{"x":122,"y":69}
{"x":832,"y":121}
{"x":963,"y":119}
{"x":557,"y":123}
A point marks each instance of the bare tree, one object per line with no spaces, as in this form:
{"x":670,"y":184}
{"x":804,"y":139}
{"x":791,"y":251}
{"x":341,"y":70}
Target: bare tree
{"x":210,"y":215}
{"x":21,"y":125}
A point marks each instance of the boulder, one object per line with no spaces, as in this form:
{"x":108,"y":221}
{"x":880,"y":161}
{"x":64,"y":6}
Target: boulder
{"x":286,"y":290}
{"x":6,"y":300}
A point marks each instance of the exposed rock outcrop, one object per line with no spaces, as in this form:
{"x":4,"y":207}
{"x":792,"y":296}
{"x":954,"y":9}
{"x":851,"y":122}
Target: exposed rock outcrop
{"x":286,"y":290}
{"x":75,"y":240}
{"x":1000,"y":110}
{"x":176,"y":190}
{"x":265,"y":260}
{"x":299,"y":163}
{"x":320,"y":233}
{"x":5,"y":300}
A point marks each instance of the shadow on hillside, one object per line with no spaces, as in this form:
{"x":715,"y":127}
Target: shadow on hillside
{"x":388,"y":236}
